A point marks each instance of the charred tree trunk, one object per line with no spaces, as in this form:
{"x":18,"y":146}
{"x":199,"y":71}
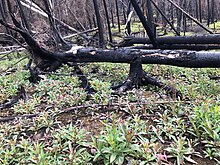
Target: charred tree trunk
{"x":150,"y":16}
{"x":4,"y":14}
{"x":99,"y":22}
{"x":108,"y":21}
{"x":144,"y":22}
{"x":197,"y":9}
{"x":23,"y":16}
{"x":184,"y":19}
{"x":111,"y":12}
{"x":197,"y":39}
{"x":179,"y":18}
{"x":56,"y":33}
{"x":164,"y":16}
{"x":213,"y":11}
{"x":128,"y":22}
{"x":200,"y":10}
{"x":118,"y":16}
{"x":209,"y":12}
{"x":124,"y":13}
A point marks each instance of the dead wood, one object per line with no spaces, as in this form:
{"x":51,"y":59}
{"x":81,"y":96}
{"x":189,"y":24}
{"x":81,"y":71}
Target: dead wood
{"x":21,"y":94}
{"x":174,"y":40}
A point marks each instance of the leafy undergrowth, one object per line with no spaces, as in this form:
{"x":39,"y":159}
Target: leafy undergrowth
{"x":59,"y":123}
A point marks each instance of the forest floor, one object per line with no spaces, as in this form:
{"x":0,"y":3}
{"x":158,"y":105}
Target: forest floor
{"x":56,"y":122}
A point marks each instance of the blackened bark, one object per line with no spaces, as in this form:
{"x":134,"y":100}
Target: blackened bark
{"x":213,"y":11}
{"x":181,"y":58}
{"x":23,"y":16}
{"x":200,"y":10}
{"x":84,"y":81}
{"x":196,"y":39}
{"x":128,"y":25}
{"x":108,"y":21}
{"x":118,"y":16}
{"x":197,"y":47}
{"x":179,"y":17}
{"x":56,"y":33}
{"x":20,"y":94}
{"x":197,"y":9}
{"x":99,"y":22}
{"x":144,"y":23}
{"x":184,"y":19}
{"x":112,"y":14}
{"x":164,"y":16}
{"x":209,"y":12}
{"x":150,"y":16}
{"x":4,"y":14}
{"x":124,"y":13}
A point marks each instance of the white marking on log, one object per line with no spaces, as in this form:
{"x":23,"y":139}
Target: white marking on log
{"x":74,"y":49}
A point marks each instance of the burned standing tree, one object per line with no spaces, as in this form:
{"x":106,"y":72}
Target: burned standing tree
{"x":108,"y":21}
{"x":135,"y":57}
{"x":99,"y":22}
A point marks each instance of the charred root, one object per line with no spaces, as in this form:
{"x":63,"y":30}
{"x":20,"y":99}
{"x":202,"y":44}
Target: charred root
{"x":21,"y":94}
{"x":138,"y":77}
{"x":84,"y":81}
{"x":34,"y":76}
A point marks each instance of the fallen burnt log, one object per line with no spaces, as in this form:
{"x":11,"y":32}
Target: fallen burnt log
{"x":194,"y":47}
{"x":169,"y":40}
{"x":181,"y":58}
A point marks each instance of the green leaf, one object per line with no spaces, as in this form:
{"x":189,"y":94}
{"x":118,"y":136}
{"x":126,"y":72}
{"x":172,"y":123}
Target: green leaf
{"x":135,"y":147}
{"x":106,"y":150}
{"x":96,"y":156}
{"x":119,"y":160}
{"x":113,"y":157}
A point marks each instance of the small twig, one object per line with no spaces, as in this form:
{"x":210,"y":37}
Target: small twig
{"x":62,"y":74}
{"x":214,"y":77}
{"x":9,"y":118}
{"x":121,"y":105}
{"x":18,"y":42}
{"x":105,"y":108}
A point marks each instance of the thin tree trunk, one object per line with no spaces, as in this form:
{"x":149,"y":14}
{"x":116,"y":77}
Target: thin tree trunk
{"x":99,"y":22}
{"x":189,"y":16}
{"x":197,"y":9}
{"x":4,"y":15}
{"x":23,"y":16}
{"x":213,"y":11}
{"x":144,"y":22}
{"x":112,"y":14}
{"x":209,"y":13}
{"x":108,"y":21}
{"x":128,"y":27}
{"x":200,"y":10}
{"x":163,"y":15}
{"x":150,"y":16}
{"x":118,"y":16}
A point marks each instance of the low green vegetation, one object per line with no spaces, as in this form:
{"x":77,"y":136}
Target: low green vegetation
{"x":215,"y":26}
{"x":60,"y":123}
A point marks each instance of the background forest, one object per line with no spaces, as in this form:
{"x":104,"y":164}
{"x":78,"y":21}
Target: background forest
{"x":71,"y":113}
